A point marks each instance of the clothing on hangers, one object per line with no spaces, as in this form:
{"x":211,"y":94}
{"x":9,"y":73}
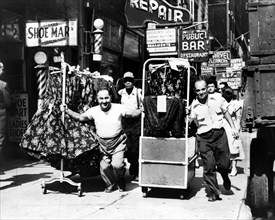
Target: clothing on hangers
{"x":47,"y":137}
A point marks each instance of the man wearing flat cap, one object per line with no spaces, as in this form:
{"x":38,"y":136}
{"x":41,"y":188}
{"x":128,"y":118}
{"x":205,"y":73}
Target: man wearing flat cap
{"x":131,"y":97}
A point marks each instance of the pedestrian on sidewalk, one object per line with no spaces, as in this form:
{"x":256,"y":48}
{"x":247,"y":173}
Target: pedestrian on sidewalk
{"x":212,"y":85}
{"x":131,"y":99}
{"x":235,"y":144}
{"x":208,"y":111}
{"x":5,"y":102}
{"x":107,"y":117}
{"x":221,"y":86}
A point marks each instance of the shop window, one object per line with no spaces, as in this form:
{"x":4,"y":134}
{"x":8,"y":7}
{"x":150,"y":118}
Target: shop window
{"x":131,"y":46}
{"x":10,"y":26}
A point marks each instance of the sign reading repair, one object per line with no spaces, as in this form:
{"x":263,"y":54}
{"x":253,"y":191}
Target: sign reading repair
{"x":194,"y":45}
{"x":19,"y":119}
{"x":51,"y":33}
{"x":138,"y":12}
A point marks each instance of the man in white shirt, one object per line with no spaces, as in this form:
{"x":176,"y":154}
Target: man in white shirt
{"x":208,"y":111}
{"x":108,"y":122}
{"x":131,"y":99}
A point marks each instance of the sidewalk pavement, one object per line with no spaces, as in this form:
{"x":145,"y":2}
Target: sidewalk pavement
{"x":21,"y":197}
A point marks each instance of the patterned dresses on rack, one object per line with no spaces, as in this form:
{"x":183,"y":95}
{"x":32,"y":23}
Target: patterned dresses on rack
{"x":48,"y":138}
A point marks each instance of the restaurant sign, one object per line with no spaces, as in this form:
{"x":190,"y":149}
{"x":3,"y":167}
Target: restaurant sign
{"x":139,"y":12}
{"x":51,"y":33}
{"x":194,"y":45}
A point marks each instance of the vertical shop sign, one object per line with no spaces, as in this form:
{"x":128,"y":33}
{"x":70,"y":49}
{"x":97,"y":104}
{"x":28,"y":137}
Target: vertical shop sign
{"x":194,"y":45}
{"x":19,"y":118}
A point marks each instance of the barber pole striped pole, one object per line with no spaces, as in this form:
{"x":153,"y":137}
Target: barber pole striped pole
{"x":97,"y":45}
{"x":41,"y":82}
{"x":97,"y":41}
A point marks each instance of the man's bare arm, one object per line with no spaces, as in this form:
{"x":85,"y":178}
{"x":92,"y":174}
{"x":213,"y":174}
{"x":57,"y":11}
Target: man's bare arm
{"x":75,"y":115}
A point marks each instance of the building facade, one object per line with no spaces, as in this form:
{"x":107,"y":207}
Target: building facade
{"x":123,"y":48}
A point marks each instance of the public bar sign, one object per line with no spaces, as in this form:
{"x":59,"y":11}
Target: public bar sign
{"x":194,"y":45}
{"x":220,"y":59}
{"x":51,"y":33}
{"x":139,"y":12}
{"x":161,"y":41}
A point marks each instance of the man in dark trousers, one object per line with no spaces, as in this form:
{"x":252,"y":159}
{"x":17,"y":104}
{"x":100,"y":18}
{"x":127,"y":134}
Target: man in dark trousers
{"x":107,"y":117}
{"x":131,"y":99}
{"x":208,"y":111}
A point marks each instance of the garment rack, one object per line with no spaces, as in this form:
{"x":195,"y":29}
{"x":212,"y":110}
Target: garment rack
{"x":62,"y":178}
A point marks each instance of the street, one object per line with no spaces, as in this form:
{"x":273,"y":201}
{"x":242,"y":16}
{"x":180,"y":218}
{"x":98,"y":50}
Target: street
{"x":22,"y":198}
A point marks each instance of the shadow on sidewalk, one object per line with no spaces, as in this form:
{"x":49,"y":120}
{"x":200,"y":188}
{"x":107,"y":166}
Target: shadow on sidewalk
{"x":18,"y":180}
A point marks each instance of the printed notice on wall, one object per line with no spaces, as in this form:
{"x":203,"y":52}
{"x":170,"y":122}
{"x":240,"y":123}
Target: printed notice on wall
{"x":19,"y":117}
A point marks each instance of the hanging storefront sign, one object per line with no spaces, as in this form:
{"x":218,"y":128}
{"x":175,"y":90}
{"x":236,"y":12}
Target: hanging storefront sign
{"x":206,"y":70}
{"x":194,"y":45}
{"x":139,"y":12}
{"x":233,"y":74}
{"x":161,"y":41}
{"x":19,"y":118}
{"x":237,"y":63}
{"x":220,"y":59}
{"x":232,"y":78}
{"x":51,"y":33}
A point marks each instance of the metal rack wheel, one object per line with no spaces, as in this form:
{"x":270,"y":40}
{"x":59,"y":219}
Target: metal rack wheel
{"x":144,"y":191}
{"x":43,"y":187}
{"x":182,"y":194}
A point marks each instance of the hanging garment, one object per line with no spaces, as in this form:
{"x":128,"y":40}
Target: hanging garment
{"x":165,"y":81}
{"x":168,"y":124}
{"x":47,"y":137}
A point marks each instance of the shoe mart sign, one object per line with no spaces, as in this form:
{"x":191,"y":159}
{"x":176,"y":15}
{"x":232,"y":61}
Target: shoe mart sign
{"x":51,"y":33}
{"x":19,"y":116}
{"x":139,"y":12}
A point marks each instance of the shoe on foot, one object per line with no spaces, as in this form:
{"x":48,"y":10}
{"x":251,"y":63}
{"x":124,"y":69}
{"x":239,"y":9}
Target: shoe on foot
{"x":121,"y":185}
{"x":214,"y":198}
{"x":226,"y":182}
{"x":108,"y":190}
{"x":233,"y":172}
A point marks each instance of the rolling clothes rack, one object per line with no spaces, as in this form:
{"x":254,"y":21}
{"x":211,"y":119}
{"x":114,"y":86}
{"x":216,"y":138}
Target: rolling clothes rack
{"x":62,"y":178}
{"x":166,"y":162}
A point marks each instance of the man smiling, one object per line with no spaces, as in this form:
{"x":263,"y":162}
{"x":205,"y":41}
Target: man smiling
{"x":108,"y":122}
